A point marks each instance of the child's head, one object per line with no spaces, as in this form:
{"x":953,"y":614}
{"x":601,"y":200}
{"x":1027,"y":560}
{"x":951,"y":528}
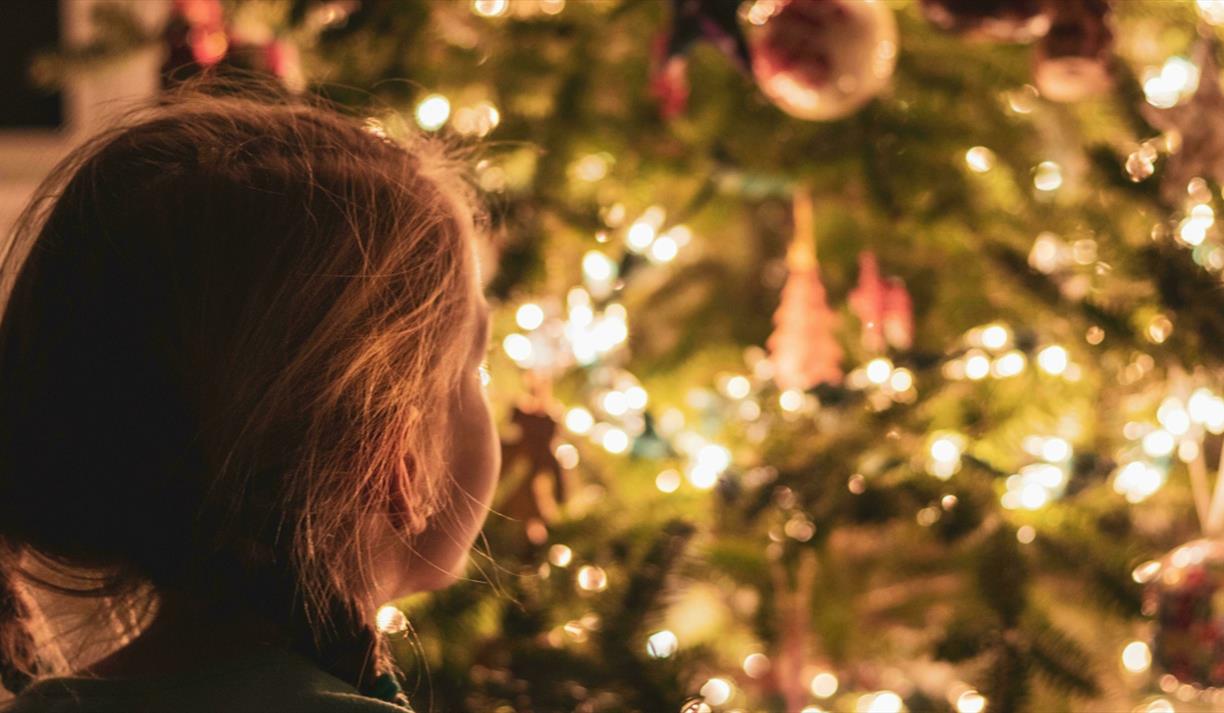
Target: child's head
{"x":239,"y":363}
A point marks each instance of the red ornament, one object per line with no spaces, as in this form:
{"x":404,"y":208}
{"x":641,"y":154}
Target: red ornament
{"x":883,"y":307}
{"x":823,"y":59}
{"x":1073,"y":61}
{"x":994,"y":20}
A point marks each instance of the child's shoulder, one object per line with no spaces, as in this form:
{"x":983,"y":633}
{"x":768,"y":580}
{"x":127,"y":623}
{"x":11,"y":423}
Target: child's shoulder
{"x":268,"y":680}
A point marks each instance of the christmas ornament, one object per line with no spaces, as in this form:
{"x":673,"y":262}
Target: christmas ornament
{"x":882,"y":306}
{"x":803,"y":348}
{"x":994,"y":20}
{"x":527,"y":452}
{"x":1185,"y":594}
{"x":715,"y":21}
{"x":823,"y":59}
{"x":1198,"y":124}
{"x":1072,"y":61}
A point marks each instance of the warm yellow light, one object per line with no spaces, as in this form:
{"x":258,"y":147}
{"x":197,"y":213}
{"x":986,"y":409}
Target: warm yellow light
{"x":390,"y":620}
{"x":970,"y":702}
{"x":579,"y":420}
{"x":490,"y":8}
{"x":615,"y":441}
{"x":823,"y":684}
{"x":1136,"y":657}
{"x":662,"y":644}
{"x":738,"y":387}
{"x":878,"y":370}
{"x":432,"y":112}
{"x":592,"y":578}
{"x":716,"y":691}
{"x":980,"y":159}
{"x":791,"y":400}
{"x":1047,"y":176}
{"x":995,"y":336}
{"x":529,"y":316}
{"x":668,"y":481}
{"x":1053,"y":360}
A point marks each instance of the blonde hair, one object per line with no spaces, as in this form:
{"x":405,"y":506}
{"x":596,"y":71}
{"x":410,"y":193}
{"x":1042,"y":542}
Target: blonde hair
{"x":230,"y":324}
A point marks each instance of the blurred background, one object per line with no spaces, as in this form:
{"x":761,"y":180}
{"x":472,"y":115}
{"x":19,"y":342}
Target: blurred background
{"x":850,"y":355}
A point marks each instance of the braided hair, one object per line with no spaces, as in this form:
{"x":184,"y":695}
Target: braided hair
{"x":228,"y":323}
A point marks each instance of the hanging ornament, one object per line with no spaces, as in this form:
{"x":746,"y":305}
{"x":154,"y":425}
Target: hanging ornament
{"x":1185,"y":595}
{"x":867,"y":302}
{"x":803,"y":347}
{"x":883,"y":308}
{"x":1073,"y":59}
{"x":823,"y":59}
{"x":528,"y":453}
{"x":898,"y":315}
{"x":715,"y":21}
{"x":1198,"y":124}
{"x":993,"y":20}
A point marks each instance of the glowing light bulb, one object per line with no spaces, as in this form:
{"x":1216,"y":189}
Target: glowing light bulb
{"x":1159,"y":443}
{"x":980,"y":159}
{"x":529,"y":316}
{"x":579,"y":420}
{"x":615,"y":403}
{"x":560,"y":555}
{"x":995,"y":336}
{"x":1033,"y":496}
{"x":823,"y":685}
{"x":567,"y":456}
{"x":945,"y":449}
{"x":432,"y":112}
{"x":884,"y":702}
{"x":902,"y":380}
{"x":1047,"y":176}
{"x":668,"y":481}
{"x":1056,"y":450}
{"x":1053,"y":360}
{"x":977,"y":366}
{"x":878,"y":370}
{"x":592,"y":578}
{"x":615,"y":441}
{"x":970,"y":702}
{"x":636,"y":398}
{"x":1010,"y":364}
{"x":518,"y":348}
{"x":639,"y":236}
{"x":661,"y":644}
{"x":664,"y":249}
{"x":1173,"y":416}
{"x":738,"y":387}
{"x":716,"y":691}
{"x":598,"y":267}
{"x":1136,"y":657}
{"x":791,"y":400}
{"x":1138,"y":481}
{"x":390,"y":620}
{"x":756,"y":665}
{"x":490,"y":8}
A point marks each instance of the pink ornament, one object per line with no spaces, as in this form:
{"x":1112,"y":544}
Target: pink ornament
{"x":823,"y":59}
{"x":883,"y":307}
{"x":867,"y":302}
{"x":898,"y":315}
{"x":803,"y":348}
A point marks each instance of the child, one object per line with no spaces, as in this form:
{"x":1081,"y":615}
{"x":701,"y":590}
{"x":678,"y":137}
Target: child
{"x":239,"y":391}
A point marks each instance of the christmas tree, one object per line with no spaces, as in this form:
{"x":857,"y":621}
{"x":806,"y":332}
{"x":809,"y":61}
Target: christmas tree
{"x":1009,"y":501}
